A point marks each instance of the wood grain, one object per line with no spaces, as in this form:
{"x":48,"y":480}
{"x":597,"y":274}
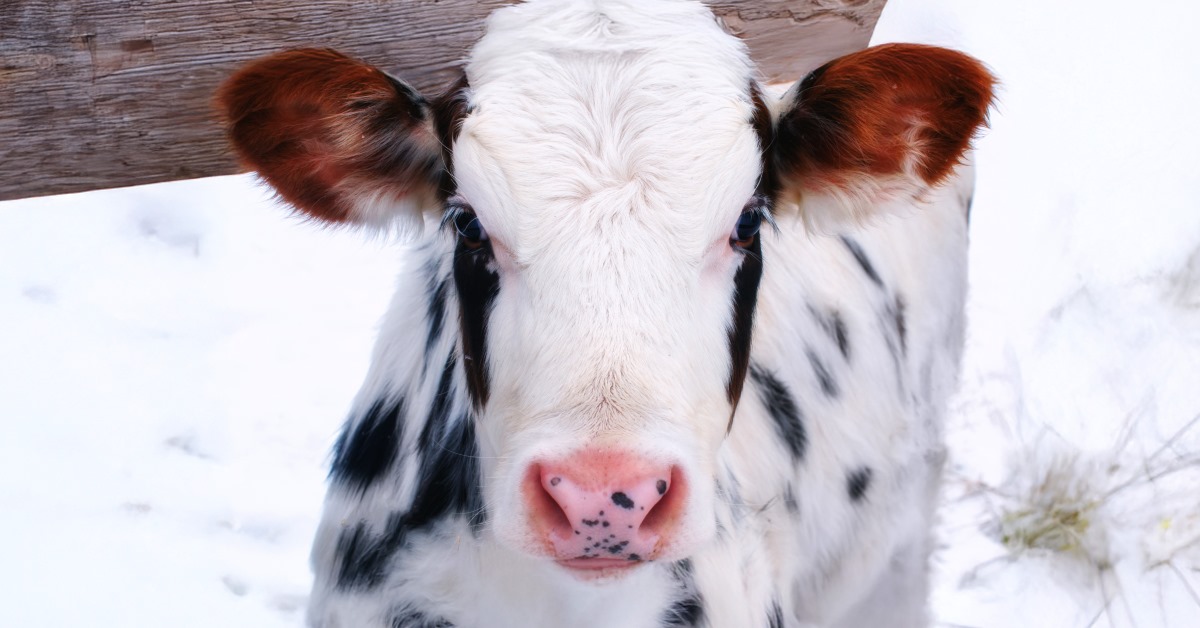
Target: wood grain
{"x":108,"y":93}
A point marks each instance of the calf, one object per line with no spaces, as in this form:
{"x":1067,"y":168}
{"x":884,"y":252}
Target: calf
{"x":602,"y":395}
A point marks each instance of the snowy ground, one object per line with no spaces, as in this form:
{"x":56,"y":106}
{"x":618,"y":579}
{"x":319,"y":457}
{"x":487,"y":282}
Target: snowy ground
{"x":176,"y":359}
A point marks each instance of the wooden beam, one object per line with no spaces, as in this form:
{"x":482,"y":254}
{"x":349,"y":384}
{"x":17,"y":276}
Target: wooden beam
{"x":108,"y":93}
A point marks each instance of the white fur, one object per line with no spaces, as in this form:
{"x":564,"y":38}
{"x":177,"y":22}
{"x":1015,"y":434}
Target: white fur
{"x":609,"y":154}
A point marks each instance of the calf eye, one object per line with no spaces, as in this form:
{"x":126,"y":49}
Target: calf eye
{"x":746,"y":228}
{"x":470,"y":230}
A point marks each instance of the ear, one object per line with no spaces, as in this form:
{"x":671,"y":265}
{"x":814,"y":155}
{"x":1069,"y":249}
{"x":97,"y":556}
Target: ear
{"x":337,"y":138}
{"x":877,"y":126}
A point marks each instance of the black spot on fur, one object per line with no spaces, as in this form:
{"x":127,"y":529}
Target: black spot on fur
{"x":838,"y":331}
{"x":783,"y":410}
{"x":857,"y":483}
{"x":439,"y":409}
{"x":687,"y":611}
{"x":363,"y":557}
{"x":833,"y":325}
{"x":789,"y":499}
{"x":448,"y":481}
{"x":897,"y":312}
{"x":448,"y":485}
{"x":622,"y":500}
{"x":366,"y":449}
{"x":411,"y":618}
{"x":729,"y":491}
{"x":437,"y":313}
{"x":776,"y":618}
{"x":824,"y":378}
{"x":861,"y":257}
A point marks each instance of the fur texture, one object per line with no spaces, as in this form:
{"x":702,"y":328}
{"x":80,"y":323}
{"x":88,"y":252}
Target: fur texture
{"x":582,"y":287}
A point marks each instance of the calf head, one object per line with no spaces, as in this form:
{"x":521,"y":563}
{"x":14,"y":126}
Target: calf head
{"x":600,"y":201}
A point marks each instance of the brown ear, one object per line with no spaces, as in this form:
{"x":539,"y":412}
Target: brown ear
{"x":337,"y":138}
{"x":879,"y":125}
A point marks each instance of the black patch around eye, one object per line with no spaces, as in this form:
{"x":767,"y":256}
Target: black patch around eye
{"x":749,"y":274}
{"x":745,"y":299}
{"x":477,"y":282}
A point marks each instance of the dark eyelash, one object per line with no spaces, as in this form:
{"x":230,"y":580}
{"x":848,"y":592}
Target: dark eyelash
{"x":455,"y":207}
{"x":761,"y":205}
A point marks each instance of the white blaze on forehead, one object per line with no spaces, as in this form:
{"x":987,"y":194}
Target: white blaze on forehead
{"x":642,"y":108}
{"x":609,"y":147}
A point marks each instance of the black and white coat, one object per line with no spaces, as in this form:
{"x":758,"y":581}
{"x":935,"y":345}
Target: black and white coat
{"x":591,"y":278}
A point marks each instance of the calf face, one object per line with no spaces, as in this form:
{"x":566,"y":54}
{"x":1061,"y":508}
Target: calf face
{"x":598,"y":182}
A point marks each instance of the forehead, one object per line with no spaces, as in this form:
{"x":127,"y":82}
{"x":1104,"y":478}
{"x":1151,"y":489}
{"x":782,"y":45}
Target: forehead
{"x":622,"y":107}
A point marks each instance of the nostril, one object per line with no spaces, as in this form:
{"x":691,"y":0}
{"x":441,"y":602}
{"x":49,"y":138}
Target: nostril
{"x":666,"y":512}
{"x":544,"y":509}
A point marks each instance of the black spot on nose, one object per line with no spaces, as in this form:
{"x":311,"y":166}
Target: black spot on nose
{"x":662,"y":487}
{"x":555,"y":481}
{"x":622,"y":500}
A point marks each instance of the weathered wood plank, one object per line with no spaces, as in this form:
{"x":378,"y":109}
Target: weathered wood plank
{"x":109,"y":93}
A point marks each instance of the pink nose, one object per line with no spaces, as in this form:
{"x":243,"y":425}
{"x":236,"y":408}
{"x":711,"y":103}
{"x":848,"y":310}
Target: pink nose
{"x":596,"y":509}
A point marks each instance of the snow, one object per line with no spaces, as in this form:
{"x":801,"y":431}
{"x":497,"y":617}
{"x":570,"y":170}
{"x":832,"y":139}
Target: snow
{"x":176,"y":362}
{"x":1083,"y":355}
{"x":177,"y":358}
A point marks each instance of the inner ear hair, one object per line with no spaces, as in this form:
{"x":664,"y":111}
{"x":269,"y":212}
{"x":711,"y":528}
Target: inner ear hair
{"x":880,"y":125}
{"x":338,"y":139}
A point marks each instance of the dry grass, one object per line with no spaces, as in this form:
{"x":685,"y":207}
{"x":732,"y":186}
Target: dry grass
{"x":1078,"y":509}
